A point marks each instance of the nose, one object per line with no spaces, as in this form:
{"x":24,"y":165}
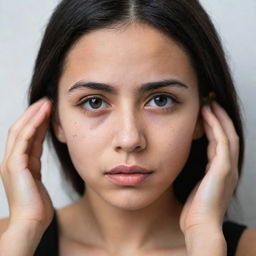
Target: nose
{"x":128,"y":134}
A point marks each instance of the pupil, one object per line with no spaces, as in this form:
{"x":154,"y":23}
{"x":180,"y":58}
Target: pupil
{"x":95,"y":102}
{"x":161,"y":101}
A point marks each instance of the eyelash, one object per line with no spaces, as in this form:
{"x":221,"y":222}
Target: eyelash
{"x":164,"y":109}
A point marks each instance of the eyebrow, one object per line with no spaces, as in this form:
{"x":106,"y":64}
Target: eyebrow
{"x":144,"y":87}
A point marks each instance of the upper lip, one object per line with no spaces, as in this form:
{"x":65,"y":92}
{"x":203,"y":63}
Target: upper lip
{"x":128,"y":169}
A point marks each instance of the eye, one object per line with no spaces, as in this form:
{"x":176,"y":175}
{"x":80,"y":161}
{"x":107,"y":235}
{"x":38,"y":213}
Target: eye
{"x":92,"y":103}
{"x":163,"y":101}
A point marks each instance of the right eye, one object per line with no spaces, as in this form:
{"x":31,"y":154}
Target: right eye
{"x":162,"y":100}
{"x":91,"y":103}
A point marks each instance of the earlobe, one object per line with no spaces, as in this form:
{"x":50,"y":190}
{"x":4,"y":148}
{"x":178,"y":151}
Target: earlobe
{"x":58,"y":130}
{"x":199,"y":129}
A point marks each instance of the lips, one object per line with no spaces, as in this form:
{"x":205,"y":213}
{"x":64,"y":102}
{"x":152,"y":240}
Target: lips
{"x":122,"y":169}
{"x":128,"y":176}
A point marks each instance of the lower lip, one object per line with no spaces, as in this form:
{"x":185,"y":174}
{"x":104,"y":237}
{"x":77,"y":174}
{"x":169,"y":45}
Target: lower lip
{"x":128,"y":179}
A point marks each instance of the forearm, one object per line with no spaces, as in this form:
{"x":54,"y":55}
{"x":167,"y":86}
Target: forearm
{"x":20,"y":240}
{"x":206,"y":242}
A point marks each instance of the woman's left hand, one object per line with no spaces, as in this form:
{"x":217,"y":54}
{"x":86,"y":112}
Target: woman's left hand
{"x":206,"y":205}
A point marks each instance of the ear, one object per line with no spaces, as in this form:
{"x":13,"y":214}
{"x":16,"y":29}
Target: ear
{"x":57,"y":128}
{"x":199,"y":128}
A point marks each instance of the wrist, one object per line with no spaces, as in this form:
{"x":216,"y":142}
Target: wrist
{"x":20,"y":239}
{"x":202,"y":240}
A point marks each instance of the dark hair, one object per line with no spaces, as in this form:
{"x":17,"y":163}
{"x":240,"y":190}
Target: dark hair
{"x":185,"y":21}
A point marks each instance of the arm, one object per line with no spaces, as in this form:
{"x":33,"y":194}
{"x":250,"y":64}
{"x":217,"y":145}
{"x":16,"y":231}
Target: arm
{"x":202,"y":215}
{"x":206,"y":241}
{"x":20,"y":239}
{"x":31,"y":208}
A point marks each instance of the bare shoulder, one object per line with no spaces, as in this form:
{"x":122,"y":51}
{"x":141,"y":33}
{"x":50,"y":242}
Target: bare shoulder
{"x":247,"y":243}
{"x":3,"y":225}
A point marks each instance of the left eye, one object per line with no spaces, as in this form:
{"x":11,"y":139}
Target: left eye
{"x":94,"y":103}
{"x":162,"y":100}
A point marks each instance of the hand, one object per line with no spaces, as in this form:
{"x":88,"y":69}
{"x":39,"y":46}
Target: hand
{"x":20,"y":170}
{"x":208,"y":202}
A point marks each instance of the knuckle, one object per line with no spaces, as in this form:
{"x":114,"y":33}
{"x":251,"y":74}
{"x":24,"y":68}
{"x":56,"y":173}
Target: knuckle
{"x":25,"y":133}
{"x":4,"y":169}
{"x":231,"y":175}
{"x":12,"y":130}
{"x":8,"y":165}
{"x":224,"y":140}
{"x":11,"y":165}
{"x":22,"y":135}
{"x":227,"y":168}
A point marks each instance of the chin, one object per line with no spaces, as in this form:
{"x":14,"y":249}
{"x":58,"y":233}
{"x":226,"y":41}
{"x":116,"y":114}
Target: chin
{"x":130,"y":199}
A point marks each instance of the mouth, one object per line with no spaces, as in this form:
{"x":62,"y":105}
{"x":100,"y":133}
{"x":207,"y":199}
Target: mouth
{"x":128,"y":176}
{"x":128,"y":179}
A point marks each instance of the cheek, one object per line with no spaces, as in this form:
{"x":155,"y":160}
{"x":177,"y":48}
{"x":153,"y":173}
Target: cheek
{"x":176,"y":144}
{"x":83,"y":145}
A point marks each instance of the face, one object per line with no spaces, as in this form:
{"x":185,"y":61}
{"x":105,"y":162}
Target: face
{"x":150,"y":128}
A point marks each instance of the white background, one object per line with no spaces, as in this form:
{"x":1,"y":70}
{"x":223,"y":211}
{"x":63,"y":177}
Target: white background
{"x":22,"y":24}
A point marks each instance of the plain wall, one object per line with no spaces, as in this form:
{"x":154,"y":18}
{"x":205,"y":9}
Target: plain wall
{"x":22,"y":24}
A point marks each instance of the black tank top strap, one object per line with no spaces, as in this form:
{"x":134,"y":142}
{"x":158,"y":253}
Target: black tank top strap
{"x":48,"y":245}
{"x":232,"y":232}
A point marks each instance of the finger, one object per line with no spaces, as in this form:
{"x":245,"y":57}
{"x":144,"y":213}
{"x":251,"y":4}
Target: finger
{"x":36,"y":150}
{"x":229,"y":130}
{"x":222,"y":159}
{"x":211,"y":149}
{"x":20,"y":153}
{"x":38,"y":139}
{"x":17,"y":126}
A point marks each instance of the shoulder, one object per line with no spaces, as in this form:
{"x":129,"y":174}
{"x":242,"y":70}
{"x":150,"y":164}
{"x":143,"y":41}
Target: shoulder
{"x":3,"y":225}
{"x":247,"y":243}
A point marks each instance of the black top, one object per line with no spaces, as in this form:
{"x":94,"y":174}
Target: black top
{"x":48,"y":245}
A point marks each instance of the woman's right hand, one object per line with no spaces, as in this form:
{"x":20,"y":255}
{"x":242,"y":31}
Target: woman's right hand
{"x":20,"y":169}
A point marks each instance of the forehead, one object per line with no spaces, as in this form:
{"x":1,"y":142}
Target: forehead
{"x":134,"y":52}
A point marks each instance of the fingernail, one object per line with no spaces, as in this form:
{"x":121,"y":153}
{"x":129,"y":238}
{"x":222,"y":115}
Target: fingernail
{"x":45,"y":102}
{"x":40,"y":101}
{"x":44,"y":99}
{"x":207,"y":106}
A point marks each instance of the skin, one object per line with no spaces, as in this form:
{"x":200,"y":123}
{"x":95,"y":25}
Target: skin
{"x":125,"y":129}
{"x":130,"y":129}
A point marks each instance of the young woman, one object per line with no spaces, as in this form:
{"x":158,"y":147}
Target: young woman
{"x":142,"y":112}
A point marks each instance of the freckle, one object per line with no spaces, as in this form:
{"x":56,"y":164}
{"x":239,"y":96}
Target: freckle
{"x":74,"y":136}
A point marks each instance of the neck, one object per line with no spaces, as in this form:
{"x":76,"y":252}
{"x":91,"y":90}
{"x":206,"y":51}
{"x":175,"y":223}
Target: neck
{"x":156,"y":225}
